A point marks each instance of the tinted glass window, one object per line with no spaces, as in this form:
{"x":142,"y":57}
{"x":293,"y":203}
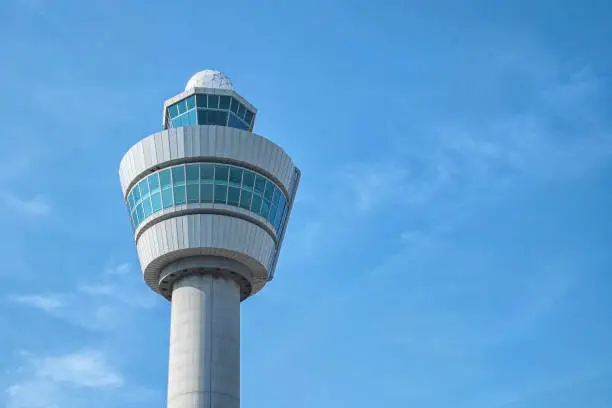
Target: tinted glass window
{"x":139,"y":213}
{"x":156,"y":202}
{"x":221,"y":174}
{"x":207,"y":172}
{"x":235,"y":176}
{"x":213,"y":101}
{"x":233,"y":196}
{"x":269,"y":191}
{"x":218,"y":118}
{"x":272,"y":214}
{"x":241,"y":110}
{"x":191,"y":102}
{"x":248,"y":117}
{"x":236,"y":123}
{"x":136,"y":192}
{"x":235,"y":105}
{"x":248,"y":179}
{"x":206,"y":193}
{"x":164,"y":177}
{"x":202,"y":119}
{"x":245,"y":199}
{"x":182,"y":106}
{"x":178,"y":175}
{"x":146,"y":205}
{"x":193,"y":183}
{"x":173,"y":111}
{"x":144,"y":188}
{"x":179,"y":195}
{"x":276,"y":196}
{"x":265,"y":207}
{"x":193,"y":193}
{"x":193,"y":173}
{"x":260,"y":184}
{"x":201,"y":100}
{"x":167,"y":198}
{"x":224,"y":102}
{"x":154,"y":182}
{"x":256,"y":204}
{"x":190,"y":118}
{"x":220,"y":194}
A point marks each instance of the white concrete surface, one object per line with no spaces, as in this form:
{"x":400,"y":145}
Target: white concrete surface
{"x":204,"y":369}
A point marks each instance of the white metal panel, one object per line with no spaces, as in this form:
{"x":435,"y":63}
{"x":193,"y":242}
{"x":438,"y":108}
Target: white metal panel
{"x":212,"y":141}
{"x":204,"y":234}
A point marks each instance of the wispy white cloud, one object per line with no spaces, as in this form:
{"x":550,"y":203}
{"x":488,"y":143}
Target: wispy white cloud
{"x":58,"y":380}
{"x":46,"y":303}
{"x":104,"y":305}
{"x":87,"y":368}
{"x":34,"y":206}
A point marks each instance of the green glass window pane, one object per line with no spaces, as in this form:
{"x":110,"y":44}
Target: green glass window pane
{"x":202,"y":117}
{"x":248,"y":117}
{"x":235,"y":176}
{"x":154,"y":182}
{"x":283,"y":218}
{"x":182,"y":106}
{"x":241,"y":111}
{"x":131,"y":200}
{"x":276,"y":196}
{"x":134,"y":220}
{"x":235,"y":105}
{"x":218,"y":118}
{"x":281,"y":201}
{"x":179,"y":195}
{"x":233,"y":196}
{"x":173,"y":111}
{"x":224,"y":102}
{"x":164,"y":178}
{"x":272,"y":214}
{"x":190,"y":118}
{"x":260,"y":184}
{"x":269,"y":191}
{"x":206,"y":193}
{"x":265,"y":208}
{"x":191,"y":102}
{"x":220,"y":194}
{"x":156,"y":202}
{"x":146,"y":204}
{"x":144,"y":188}
{"x":193,"y":193}
{"x":201,"y":100}
{"x":207,"y":172}
{"x":256,"y":204}
{"x":139,"y":213}
{"x":193,"y":173}
{"x":213,"y":101}
{"x":136,"y":192}
{"x":277,"y":219}
{"x":248,"y":179}
{"x":245,"y":199}
{"x":178,"y":175}
{"x":167,"y":198}
{"x":221,"y":174}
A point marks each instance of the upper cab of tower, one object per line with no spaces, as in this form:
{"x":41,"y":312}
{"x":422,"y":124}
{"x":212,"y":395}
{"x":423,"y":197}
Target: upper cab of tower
{"x":209,"y":99}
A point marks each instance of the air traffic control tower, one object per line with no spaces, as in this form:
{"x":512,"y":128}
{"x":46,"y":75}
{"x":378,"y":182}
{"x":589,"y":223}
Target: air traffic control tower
{"x":209,"y":203}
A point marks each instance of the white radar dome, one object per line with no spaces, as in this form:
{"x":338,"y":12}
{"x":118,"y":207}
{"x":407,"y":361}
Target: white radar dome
{"x":209,"y":78}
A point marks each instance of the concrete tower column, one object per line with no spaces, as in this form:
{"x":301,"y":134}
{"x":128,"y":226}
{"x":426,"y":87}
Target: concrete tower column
{"x":204,"y":369}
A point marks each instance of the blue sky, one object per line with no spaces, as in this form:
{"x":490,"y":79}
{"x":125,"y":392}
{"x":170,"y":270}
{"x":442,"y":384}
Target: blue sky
{"x":450,"y":244}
